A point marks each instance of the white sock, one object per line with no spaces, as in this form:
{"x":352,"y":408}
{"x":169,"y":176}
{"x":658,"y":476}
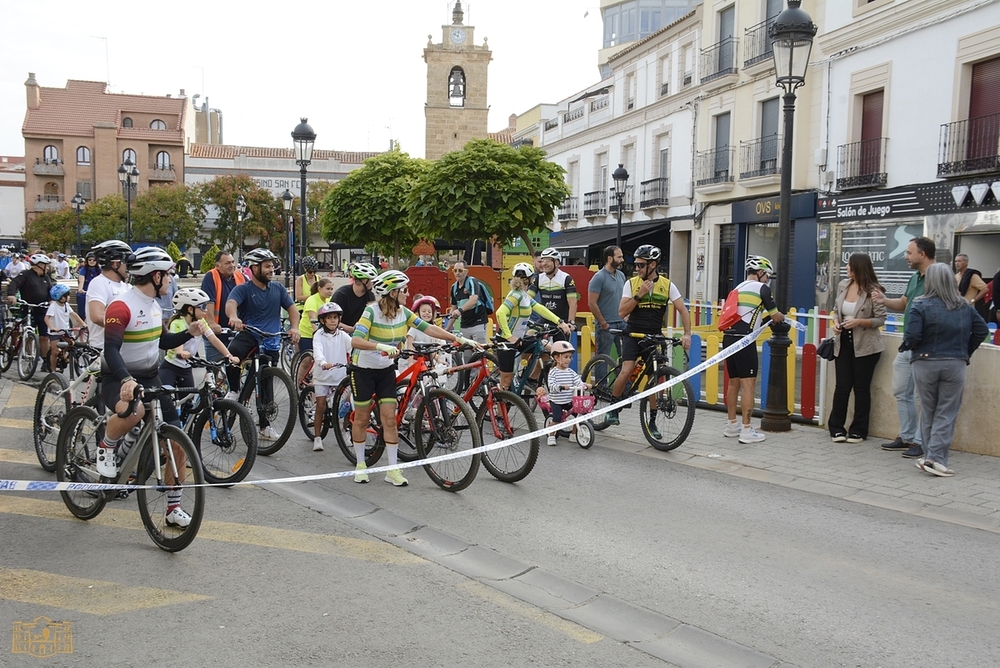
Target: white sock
{"x":392,"y":452}
{"x":359,"y":452}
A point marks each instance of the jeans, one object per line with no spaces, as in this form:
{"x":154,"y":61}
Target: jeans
{"x":906,"y":401}
{"x":853,"y":374}
{"x":940,"y":384}
{"x":605,"y":342}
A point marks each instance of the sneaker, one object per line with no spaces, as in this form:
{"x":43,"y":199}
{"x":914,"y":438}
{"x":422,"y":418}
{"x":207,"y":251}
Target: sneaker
{"x":920,"y":463}
{"x":550,"y":440}
{"x":653,"y":431}
{"x":750,"y":435}
{"x":317,"y":444}
{"x":395,"y":477}
{"x":178,"y":518}
{"x":268,"y":434}
{"x":940,"y":470}
{"x":232,"y":396}
{"x":839,"y":437}
{"x":898,"y":444}
{"x":572,"y":438}
{"x":854,"y":438}
{"x":106,"y":464}
{"x":612,"y":418}
{"x":914,"y":452}
{"x":360,"y":476}
{"x":732,"y":430}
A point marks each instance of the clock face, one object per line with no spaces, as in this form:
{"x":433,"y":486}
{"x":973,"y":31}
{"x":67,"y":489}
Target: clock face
{"x":457,"y":36}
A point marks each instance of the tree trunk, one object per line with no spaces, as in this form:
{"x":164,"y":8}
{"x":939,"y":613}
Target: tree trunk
{"x":527,"y":242}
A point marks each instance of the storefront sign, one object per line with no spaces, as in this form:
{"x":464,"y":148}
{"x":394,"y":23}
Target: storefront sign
{"x":918,"y":200}
{"x":766,"y":209}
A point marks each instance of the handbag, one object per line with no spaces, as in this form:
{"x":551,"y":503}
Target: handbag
{"x":825,"y":349}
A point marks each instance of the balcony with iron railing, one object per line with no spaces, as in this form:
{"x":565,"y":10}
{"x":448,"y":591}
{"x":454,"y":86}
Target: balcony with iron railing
{"x":757,"y":44}
{"x":718,"y":62}
{"x":48,"y":167}
{"x":573,"y":114}
{"x":862,"y":164}
{"x":665,"y":89}
{"x":162,"y":172}
{"x":595,"y":203}
{"x":600,"y":103}
{"x":48,"y":203}
{"x":628,"y":200}
{"x":759,"y":158}
{"x":713,"y":170}
{"x":969,"y":147}
{"x":653,"y":193}
{"x":570,"y":209}
{"x":551,"y":124}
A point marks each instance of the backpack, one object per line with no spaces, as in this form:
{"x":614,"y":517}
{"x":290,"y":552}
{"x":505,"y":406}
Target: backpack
{"x":485,"y":299}
{"x":730,"y":311}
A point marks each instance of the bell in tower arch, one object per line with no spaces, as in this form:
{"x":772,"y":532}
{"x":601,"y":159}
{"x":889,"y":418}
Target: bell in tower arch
{"x":456,"y":87}
{"x":457,"y":14}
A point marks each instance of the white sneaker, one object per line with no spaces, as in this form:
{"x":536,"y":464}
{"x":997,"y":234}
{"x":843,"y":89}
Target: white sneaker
{"x":750,"y":435}
{"x":360,"y":475}
{"x":178,"y":518}
{"x":733,"y":429}
{"x":550,"y":440}
{"x":317,"y":444}
{"x":232,"y":396}
{"x":395,"y":477}
{"x":269,"y":434}
{"x":106,"y":464}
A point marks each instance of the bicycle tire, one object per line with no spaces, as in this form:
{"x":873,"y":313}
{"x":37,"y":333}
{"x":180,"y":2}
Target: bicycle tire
{"x":585,"y":434}
{"x":374,"y":447}
{"x":76,"y":461}
{"x":27,"y":355}
{"x":307,"y":414}
{"x":227,"y":455}
{"x":286,"y":354}
{"x":50,"y":413}
{"x":675,"y":407}
{"x":153,"y":502}
{"x":510,"y":417}
{"x":280,"y":411}
{"x":304,"y":357}
{"x":600,"y":387}
{"x":407,"y":450}
{"x":6,"y":354}
{"x":449,"y":419}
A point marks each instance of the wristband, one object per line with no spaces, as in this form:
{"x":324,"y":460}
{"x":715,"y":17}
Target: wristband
{"x":127,"y":379}
{"x":637,"y":298}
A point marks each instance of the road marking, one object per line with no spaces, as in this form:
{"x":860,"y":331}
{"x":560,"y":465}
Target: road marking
{"x":571,"y":629}
{"x":230,"y":532}
{"x":10,"y":423}
{"x":18,"y":456}
{"x":22,"y":396}
{"x":95,"y":597}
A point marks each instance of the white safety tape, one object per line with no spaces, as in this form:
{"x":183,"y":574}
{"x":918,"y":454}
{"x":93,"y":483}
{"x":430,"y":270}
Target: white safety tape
{"x":749,"y":339}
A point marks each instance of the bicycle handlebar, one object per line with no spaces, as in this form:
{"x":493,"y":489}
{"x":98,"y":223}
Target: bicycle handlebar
{"x":262,"y":333}
{"x":21,"y":302}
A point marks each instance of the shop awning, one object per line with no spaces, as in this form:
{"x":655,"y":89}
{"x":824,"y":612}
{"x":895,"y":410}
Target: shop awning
{"x":603,"y":235}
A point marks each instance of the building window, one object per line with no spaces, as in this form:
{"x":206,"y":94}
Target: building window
{"x":157,"y":125}
{"x":83,"y":156}
{"x":128,"y":154}
{"x":51,"y":190}
{"x":85,"y":189}
{"x":456,"y":87}
{"x":51,"y":155}
{"x":163,"y":160}
{"x":126,"y":122}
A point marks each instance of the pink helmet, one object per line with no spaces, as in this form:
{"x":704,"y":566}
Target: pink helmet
{"x":562,"y":347}
{"x":328,"y":308}
{"x":427,"y":299}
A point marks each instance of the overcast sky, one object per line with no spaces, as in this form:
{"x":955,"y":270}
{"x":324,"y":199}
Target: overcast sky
{"x":355,"y":69}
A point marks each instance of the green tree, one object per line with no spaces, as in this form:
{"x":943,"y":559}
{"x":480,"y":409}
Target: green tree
{"x":173,"y":251}
{"x":488,"y":191}
{"x":53,"y":230}
{"x":104,"y":219}
{"x":174,"y":212}
{"x":263,"y":220}
{"x":368,"y":207}
{"x":208,"y":259}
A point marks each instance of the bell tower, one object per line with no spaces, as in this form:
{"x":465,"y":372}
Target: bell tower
{"x":456,"y":108}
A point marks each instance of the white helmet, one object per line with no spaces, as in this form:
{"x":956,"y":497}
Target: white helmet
{"x":388,"y":281}
{"x":148,"y":259}
{"x":551,"y":254}
{"x":39,"y":258}
{"x":190,"y":297}
{"x":259,"y":256}
{"x":523,"y":270}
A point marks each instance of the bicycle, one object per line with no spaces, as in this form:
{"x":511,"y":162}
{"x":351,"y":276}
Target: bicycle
{"x":151,"y":458}
{"x":231,"y":449}
{"x":583,"y":404}
{"x":20,"y":340}
{"x":307,"y":410}
{"x":56,"y":398}
{"x":67,"y":360}
{"x":652,"y":368}
{"x":273,"y":391}
{"x":523,"y":385}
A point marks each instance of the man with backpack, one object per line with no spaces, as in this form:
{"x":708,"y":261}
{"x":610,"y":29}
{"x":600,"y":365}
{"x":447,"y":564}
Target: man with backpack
{"x":470,"y":301}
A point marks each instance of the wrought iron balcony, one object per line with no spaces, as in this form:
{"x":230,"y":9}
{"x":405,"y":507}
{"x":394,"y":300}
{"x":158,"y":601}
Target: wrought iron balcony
{"x":653,"y":193}
{"x":48,"y":167}
{"x":759,"y":157}
{"x":570,"y":209}
{"x":715,"y":166}
{"x":551,"y":124}
{"x":862,"y":164}
{"x":664,"y":89}
{"x":971,"y":146}
{"x":49,"y":203}
{"x":757,"y":44}
{"x":595,"y":203}
{"x":719,"y":60}
{"x":628,"y":201}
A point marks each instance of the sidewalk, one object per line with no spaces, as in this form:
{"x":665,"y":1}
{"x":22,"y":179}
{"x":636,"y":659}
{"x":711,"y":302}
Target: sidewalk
{"x":805,"y":459}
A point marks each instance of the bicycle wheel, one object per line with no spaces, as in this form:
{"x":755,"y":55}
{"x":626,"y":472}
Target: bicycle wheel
{"x":667,"y":415}
{"x":50,"y":413}
{"x":6,"y":354}
{"x":27,"y":357}
{"x":227,"y":444}
{"x":307,"y":414}
{"x":76,"y":460}
{"x":302,"y":365}
{"x":504,"y":418}
{"x":585,"y":434}
{"x":153,"y":502}
{"x":448,"y":426}
{"x":278,"y":411}
{"x":405,"y":416}
{"x":600,"y":373}
{"x":344,"y":413}
{"x":286,"y":355}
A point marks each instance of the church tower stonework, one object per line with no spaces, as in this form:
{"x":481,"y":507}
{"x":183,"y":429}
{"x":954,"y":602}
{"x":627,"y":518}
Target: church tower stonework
{"x":456,"y":108}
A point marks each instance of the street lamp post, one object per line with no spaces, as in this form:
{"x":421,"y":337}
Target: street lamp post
{"x":78,"y":203}
{"x":286,"y":204}
{"x":791,"y":37}
{"x":241,"y":212}
{"x":620,"y":177}
{"x":304,"y":139}
{"x":128,"y":174}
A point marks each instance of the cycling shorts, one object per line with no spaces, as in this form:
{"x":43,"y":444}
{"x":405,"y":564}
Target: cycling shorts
{"x":369,"y":383}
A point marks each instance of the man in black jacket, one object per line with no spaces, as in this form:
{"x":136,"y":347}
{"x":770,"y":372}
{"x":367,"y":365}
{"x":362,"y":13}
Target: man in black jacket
{"x":34,"y":285}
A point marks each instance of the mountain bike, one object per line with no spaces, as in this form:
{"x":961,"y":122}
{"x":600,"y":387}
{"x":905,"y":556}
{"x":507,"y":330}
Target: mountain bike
{"x":523,"y":384}
{"x":307,"y":410}
{"x":273,"y":392}
{"x":19,"y":340}
{"x":56,"y":398}
{"x":157,"y":459}
{"x":676,"y":404}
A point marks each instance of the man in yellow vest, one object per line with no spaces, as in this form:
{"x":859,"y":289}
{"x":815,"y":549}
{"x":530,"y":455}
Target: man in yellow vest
{"x":217,"y":284}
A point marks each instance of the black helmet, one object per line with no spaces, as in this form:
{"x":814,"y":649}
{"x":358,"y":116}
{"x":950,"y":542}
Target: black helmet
{"x":111,"y":250}
{"x":647,"y":252}
{"x":309,"y":263}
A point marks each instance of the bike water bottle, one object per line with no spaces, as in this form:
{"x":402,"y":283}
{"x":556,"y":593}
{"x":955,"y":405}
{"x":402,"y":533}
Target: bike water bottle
{"x":345,"y":408}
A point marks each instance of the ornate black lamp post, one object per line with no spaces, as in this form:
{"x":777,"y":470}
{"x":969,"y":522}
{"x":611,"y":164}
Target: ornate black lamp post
{"x":620,"y":177}
{"x":241,"y":212}
{"x":128,"y":175}
{"x":78,"y":203}
{"x":286,"y":204}
{"x":304,"y":139}
{"x":791,"y":40}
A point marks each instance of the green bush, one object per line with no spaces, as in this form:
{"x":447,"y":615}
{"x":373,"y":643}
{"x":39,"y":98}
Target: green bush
{"x":173,"y":251}
{"x":208,"y":259}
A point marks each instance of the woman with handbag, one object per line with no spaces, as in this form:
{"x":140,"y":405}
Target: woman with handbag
{"x":858,"y":346}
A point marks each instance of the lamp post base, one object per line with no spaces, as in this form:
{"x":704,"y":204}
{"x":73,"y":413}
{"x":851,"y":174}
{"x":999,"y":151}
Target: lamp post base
{"x":776,"y":416}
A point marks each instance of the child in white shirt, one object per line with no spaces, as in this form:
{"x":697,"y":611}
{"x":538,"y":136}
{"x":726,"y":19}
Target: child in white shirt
{"x":562,"y":381}
{"x":331,"y":350}
{"x":58,"y":319}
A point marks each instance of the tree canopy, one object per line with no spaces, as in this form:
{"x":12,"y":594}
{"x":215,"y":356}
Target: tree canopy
{"x":263,"y":219}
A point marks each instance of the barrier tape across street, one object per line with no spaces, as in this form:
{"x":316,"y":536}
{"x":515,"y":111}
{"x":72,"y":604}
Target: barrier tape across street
{"x":52,"y":486}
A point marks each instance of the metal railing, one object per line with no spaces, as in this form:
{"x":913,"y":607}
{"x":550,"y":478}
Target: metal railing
{"x":628,"y":200}
{"x":551,"y":123}
{"x":50,"y":198}
{"x":715,"y":166}
{"x":862,"y":164}
{"x":664,"y":89}
{"x":630,"y":103}
{"x":757,"y":44}
{"x":719,"y":59}
{"x":573,"y":114}
{"x":971,"y":146}
{"x":759,"y":157}
{"x":653,"y":193}
{"x":569,"y":210}
{"x":688,"y":76}
{"x":599,"y":103}
{"x":595,"y":203}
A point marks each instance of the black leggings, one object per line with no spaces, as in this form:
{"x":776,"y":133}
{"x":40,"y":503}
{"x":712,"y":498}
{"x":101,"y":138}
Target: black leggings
{"x":243,"y":346}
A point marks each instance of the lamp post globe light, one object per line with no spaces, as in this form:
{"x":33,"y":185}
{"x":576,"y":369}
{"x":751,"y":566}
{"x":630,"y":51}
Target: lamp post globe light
{"x":78,"y":203}
{"x":286,"y":204}
{"x":241,"y":212}
{"x":791,"y":37}
{"x":128,"y":175}
{"x":620,"y":177}
{"x":304,"y":139}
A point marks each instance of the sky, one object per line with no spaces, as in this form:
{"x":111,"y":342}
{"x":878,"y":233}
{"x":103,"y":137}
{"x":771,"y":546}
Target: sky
{"x":355,"y":69}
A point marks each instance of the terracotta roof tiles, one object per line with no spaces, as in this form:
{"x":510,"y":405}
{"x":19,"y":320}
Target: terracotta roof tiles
{"x":228,"y":152}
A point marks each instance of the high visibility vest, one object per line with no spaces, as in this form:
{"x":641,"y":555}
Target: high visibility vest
{"x":217,"y":279}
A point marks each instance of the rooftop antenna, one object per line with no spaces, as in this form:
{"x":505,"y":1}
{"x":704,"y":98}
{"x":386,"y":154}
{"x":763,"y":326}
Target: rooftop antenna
{"x":107,"y":60}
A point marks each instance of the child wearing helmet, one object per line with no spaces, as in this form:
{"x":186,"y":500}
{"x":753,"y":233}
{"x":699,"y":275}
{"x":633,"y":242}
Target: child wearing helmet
{"x":188,"y":305}
{"x":560,"y":384}
{"x":428,"y":308}
{"x":331,"y":349}
{"x":58,"y":319}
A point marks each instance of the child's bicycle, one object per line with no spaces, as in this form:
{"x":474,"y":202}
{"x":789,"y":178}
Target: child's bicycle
{"x":583,"y":403}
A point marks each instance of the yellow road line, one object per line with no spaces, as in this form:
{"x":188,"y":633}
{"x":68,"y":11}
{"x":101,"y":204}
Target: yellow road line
{"x":95,"y":597}
{"x":571,"y":629}
{"x":21,"y":396}
{"x":10,"y":423}
{"x":20,"y":457}
{"x":230,"y":532}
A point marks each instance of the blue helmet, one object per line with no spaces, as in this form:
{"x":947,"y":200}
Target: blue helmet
{"x":58,"y":291}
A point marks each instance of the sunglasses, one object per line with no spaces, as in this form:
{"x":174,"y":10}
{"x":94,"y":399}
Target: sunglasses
{"x":640,"y":265}
{"x":461,"y":271}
